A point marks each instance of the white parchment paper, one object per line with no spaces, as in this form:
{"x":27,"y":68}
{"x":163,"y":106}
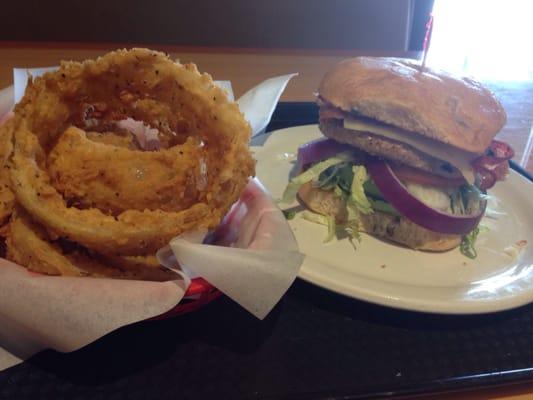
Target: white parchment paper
{"x":258,"y":103}
{"x":261,"y":251}
{"x":257,"y":266}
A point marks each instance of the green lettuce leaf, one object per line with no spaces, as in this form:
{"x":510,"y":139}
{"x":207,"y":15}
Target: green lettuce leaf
{"x":345,"y":180}
{"x":326,"y":220}
{"x":372,"y":190}
{"x":468,"y":243}
{"x":289,"y":214}
{"x":289,"y":195}
{"x":383,"y":206}
{"x":357,"y":196}
{"x":352,"y":229}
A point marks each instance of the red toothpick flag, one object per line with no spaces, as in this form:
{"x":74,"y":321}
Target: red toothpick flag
{"x":427,"y":40}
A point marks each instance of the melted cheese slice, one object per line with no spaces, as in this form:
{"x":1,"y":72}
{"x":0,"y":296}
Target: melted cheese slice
{"x":458,"y":158}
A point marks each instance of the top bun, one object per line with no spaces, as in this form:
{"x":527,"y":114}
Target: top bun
{"x":457,"y":111}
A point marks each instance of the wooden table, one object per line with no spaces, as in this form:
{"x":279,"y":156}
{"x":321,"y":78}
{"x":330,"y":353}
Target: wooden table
{"x":245,"y":68}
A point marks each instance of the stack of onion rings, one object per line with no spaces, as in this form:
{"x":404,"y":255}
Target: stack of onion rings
{"x":89,"y":199}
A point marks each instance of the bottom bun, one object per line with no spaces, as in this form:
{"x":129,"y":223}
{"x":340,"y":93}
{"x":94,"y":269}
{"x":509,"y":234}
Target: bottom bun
{"x":382,"y":225}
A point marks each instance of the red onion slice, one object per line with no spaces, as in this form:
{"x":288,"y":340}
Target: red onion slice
{"x":414,"y":209}
{"x":319,"y":150}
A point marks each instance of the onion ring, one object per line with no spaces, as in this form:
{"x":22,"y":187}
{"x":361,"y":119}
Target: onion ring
{"x":119,"y":139}
{"x":189,"y":111}
{"x":7,"y":198}
{"x":28,"y":245}
{"x":138,"y":180}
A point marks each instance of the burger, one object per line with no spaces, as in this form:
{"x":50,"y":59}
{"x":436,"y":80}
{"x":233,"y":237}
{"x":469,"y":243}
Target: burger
{"x":408,"y":154}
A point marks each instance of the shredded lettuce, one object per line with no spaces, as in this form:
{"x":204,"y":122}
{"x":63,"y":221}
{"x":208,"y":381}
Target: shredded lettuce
{"x":468,"y":242}
{"x":337,"y":176}
{"x":338,"y":191}
{"x":326,"y":220}
{"x":352,"y":229}
{"x":352,"y":222}
{"x":329,"y":178}
{"x":289,"y":214}
{"x":346,"y":180}
{"x":352,"y":183}
{"x":372,"y":190}
{"x":357,"y":194}
{"x":357,"y":202}
{"x":289,"y":195}
{"x":332,"y":229}
{"x":383,"y":206}
{"x":457,"y":203}
{"x":471,"y":197}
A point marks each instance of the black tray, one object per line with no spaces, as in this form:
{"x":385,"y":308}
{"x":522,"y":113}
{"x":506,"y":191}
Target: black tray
{"x":314,"y":345}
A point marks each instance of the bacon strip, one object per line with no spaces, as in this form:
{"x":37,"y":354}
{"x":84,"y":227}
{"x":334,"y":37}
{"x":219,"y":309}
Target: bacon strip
{"x":493,"y":166}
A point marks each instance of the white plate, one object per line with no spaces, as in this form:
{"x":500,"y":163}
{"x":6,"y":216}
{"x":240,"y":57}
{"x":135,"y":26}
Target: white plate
{"x":394,"y":276}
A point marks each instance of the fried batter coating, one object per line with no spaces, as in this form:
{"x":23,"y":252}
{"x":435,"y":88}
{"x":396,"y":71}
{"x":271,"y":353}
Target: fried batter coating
{"x":6,"y":140}
{"x":28,"y":245}
{"x":56,"y":169}
{"x":7,"y":198}
{"x":115,"y":179}
{"x":119,"y":139}
{"x":132,"y":232}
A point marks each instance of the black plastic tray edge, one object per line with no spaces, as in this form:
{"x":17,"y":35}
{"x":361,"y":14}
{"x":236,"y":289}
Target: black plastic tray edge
{"x":459,"y":385}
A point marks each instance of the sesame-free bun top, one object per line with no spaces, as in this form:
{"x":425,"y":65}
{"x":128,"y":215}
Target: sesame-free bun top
{"x":454,"y":110}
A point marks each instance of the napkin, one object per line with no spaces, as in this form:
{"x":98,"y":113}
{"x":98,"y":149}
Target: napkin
{"x":260,"y":251}
{"x":258,"y":103}
{"x":252,"y":257}
{"x":6,"y":100}
{"x":65,"y":313}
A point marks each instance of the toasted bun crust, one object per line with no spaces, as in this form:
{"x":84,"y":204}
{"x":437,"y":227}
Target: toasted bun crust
{"x":379,"y":224}
{"x":457,"y":111}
